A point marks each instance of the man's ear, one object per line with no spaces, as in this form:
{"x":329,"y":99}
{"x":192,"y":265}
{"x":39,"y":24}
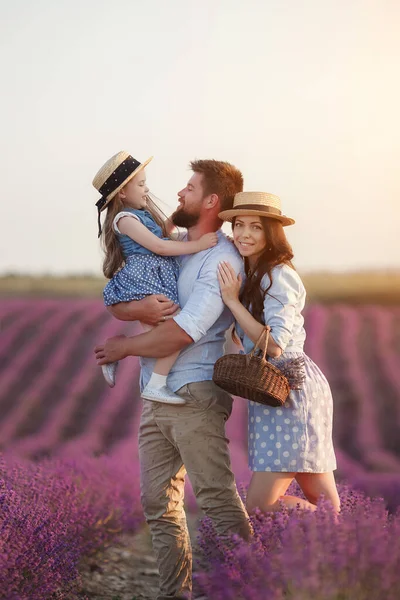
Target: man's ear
{"x":212,"y":201}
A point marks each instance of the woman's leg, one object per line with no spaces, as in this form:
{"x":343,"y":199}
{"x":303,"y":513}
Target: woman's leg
{"x":267,"y":489}
{"x":314,"y":485}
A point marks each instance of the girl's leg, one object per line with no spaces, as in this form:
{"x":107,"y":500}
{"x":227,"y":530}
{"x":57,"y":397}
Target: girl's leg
{"x":314,"y":485}
{"x":267,"y":489}
{"x":157,"y":389}
{"x":109,"y":371}
{"x":163,"y":365}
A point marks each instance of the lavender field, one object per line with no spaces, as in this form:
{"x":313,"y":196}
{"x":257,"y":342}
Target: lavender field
{"x":69,"y":475}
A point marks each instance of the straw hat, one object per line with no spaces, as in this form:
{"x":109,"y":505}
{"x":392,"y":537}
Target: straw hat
{"x":116,"y":173}
{"x":112,"y":177}
{"x":259,"y":204}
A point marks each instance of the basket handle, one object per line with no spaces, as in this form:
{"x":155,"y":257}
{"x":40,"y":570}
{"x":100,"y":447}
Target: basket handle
{"x":265,"y":332}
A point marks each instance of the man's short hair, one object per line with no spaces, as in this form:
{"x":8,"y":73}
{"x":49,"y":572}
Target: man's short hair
{"x":219,"y":178}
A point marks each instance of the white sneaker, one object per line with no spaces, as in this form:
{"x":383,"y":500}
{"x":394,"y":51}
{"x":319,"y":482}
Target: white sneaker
{"x":109,"y":372}
{"x":162,"y":394}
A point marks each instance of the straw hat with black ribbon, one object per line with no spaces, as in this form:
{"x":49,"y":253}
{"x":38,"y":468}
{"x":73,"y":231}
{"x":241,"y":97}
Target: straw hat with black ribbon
{"x":259,"y":204}
{"x":112,"y":177}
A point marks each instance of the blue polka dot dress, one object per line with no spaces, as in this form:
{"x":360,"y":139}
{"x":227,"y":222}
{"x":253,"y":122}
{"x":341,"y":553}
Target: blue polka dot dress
{"x":296,"y":437}
{"x":144,"y":272}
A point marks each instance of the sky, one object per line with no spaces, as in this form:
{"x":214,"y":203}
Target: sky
{"x":302,"y":95}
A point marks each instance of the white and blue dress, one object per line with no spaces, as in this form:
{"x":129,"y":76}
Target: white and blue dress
{"x":144,"y":272}
{"x":296,"y":437}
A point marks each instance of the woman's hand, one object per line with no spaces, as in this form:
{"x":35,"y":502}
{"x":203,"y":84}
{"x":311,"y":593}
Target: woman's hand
{"x":229,"y":283}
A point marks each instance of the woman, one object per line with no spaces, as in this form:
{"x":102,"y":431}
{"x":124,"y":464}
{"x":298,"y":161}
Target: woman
{"x":294,"y":441}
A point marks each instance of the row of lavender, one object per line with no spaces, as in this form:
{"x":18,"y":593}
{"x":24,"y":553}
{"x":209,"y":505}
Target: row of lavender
{"x":55,"y":512}
{"x":302,"y":555}
{"x":55,"y":408}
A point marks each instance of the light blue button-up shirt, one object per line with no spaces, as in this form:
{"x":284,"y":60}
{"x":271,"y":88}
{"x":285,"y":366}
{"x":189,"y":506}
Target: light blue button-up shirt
{"x":204,"y":316}
{"x":283,"y":307}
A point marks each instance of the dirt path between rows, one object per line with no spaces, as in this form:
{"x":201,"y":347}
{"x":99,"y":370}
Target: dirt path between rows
{"x":126,"y":570}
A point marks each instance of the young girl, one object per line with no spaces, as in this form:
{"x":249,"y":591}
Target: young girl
{"x":294,"y":441}
{"x":139,"y":260}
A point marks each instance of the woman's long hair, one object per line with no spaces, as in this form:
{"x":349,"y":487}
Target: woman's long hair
{"x":114,"y":258}
{"x":278,"y":251}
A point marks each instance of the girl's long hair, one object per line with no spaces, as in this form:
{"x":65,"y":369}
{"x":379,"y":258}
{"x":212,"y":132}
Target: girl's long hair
{"x":278,"y":251}
{"x":114,"y":258}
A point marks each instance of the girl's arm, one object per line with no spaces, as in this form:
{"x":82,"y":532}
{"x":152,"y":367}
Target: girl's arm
{"x":140,"y":234}
{"x":169,"y":227}
{"x":230,"y":288}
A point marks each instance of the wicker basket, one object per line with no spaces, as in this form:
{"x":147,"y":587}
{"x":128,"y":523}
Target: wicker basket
{"x":251,"y":376}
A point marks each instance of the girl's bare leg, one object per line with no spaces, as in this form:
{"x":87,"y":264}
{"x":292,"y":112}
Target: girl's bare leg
{"x":314,"y":485}
{"x":157,"y":389}
{"x":267,"y":489}
{"x":163,"y":365}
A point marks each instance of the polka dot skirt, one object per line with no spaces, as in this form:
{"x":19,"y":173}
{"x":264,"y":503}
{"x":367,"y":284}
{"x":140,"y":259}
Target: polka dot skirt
{"x":143,"y":275}
{"x":298,"y":436}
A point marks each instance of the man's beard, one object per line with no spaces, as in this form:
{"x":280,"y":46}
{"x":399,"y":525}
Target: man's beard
{"x":180,"y":218}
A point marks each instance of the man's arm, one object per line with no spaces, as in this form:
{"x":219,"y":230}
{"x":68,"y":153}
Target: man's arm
{"x":151,"y":310}
{"x":205,"y":304}
{"x":161,"y":341}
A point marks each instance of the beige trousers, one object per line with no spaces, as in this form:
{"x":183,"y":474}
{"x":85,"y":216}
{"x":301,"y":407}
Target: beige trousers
{"x":174,"y":440}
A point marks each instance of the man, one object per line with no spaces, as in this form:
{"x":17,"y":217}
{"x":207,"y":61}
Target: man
{"x":191,"y":438}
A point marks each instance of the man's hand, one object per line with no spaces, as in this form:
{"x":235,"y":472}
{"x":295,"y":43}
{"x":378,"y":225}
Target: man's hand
{"x":157,"y":343}
{"x":152,"y":310}
{"x":112,"y":350}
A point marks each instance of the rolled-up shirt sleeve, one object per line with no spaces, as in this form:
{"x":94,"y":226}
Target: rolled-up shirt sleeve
{"x":205,"y":304}
{"x":280,"y":303}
